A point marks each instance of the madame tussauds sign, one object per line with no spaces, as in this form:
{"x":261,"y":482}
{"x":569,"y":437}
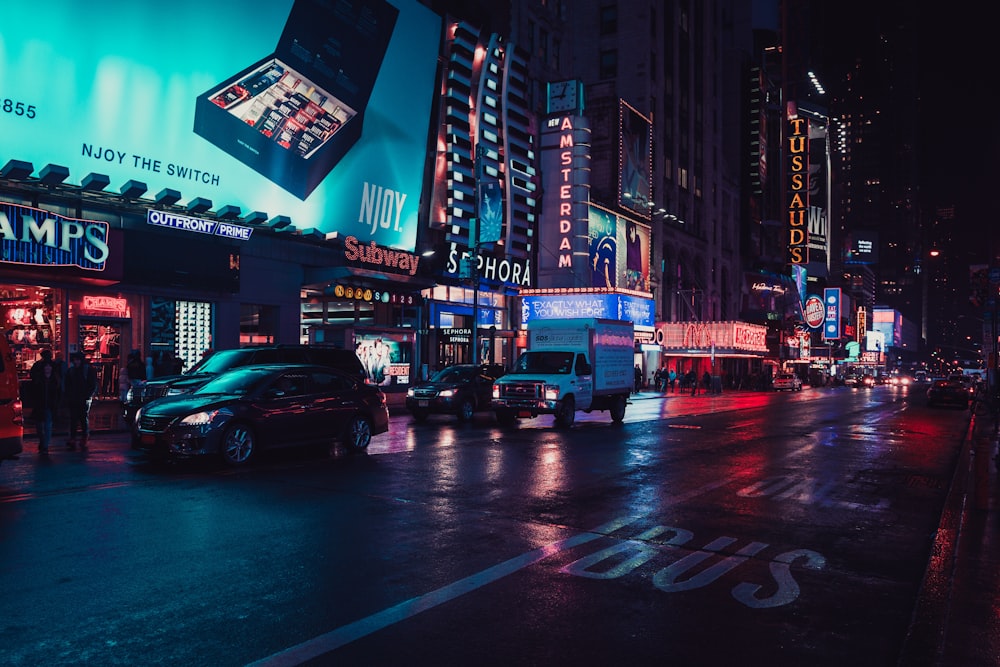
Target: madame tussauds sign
{"x":33,"y":236}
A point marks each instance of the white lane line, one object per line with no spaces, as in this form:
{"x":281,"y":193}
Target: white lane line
{"x":346,"y":634}
{"x":330,"y":641}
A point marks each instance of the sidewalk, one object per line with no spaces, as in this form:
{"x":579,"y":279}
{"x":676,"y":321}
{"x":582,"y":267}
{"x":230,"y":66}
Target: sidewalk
{"x":956,"y":622}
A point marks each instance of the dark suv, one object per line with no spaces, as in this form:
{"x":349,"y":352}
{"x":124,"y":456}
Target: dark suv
{"x":223,"y":360}
{"x":458,"y":390}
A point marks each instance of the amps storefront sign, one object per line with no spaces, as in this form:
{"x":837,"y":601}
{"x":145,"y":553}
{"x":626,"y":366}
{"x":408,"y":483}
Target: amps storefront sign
{"x":722,"y":338}
{"x":41,"y":238}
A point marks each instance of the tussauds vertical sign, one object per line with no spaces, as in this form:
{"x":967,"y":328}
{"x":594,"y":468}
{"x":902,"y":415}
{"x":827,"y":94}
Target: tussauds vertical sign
{"x":798,"y":193}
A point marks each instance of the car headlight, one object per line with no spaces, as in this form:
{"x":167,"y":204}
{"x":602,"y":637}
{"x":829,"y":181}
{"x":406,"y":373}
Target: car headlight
{"x":174,"y":391}
{"x":409,"y":392}
{"x":447,"y":393}
{"x":202,"y":418}
{"x":551,"y":392}
{"x":138,"y":415}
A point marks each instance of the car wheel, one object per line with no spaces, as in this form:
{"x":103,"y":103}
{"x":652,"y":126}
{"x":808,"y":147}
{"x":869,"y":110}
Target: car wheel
{"x":359,"y":433}
{"x":238,"y":445}
{"x":465,"y":410}
{"x":506,"y":417}
{"x":618,"y":410}
{"x":420,"y":416}
{"x":567,"y":413}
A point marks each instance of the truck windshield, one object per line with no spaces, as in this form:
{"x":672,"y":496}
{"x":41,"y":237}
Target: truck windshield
{"x":545,"y":362}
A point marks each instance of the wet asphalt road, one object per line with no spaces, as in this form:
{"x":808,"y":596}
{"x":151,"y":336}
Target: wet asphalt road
{"x":757,"y":528}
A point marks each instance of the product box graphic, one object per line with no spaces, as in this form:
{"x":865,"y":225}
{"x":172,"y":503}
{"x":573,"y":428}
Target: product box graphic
{"x":293,"y":115}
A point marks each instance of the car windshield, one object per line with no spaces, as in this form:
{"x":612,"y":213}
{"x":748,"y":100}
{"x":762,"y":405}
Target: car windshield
{"x":455,"y":374}
{"x":240,"y":382}
{"x":545,"y":362}
{"x":222,"y":360}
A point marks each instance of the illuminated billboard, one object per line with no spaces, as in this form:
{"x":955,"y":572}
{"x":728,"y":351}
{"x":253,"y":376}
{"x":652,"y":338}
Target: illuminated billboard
{"x":635,"y":160}
{"x":619,"y":251}
{"x":281,"y":109}
{"x":626,"y":307}
{"x":862,"y":247}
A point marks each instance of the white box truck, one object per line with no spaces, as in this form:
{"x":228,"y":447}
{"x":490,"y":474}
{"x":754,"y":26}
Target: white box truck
{"x":569,"y":365}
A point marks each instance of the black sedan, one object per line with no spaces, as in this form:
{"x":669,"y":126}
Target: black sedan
{"x":458,"y":390}
{"x":247,"y":409}
{"x":949,"y":392}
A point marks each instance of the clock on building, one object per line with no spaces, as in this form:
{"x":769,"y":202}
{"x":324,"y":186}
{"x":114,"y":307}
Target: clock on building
{"x":563,"y":96}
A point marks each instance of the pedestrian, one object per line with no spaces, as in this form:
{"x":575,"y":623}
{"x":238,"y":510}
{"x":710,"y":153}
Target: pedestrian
{"x":45,"y":397}
{"x":692,"y":379}
{"x":672,"y":379}
{"x":638,"y":378}
{"x":706,"y":382}
{"x":81,"y":386}
{"x":44,"y":357}
{"x":659,"y":380}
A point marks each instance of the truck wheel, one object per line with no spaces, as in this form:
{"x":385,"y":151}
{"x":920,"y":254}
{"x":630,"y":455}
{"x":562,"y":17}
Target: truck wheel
{"x":567,"y":413}
{"x":506,"y":417}
{"x":618,"y":410}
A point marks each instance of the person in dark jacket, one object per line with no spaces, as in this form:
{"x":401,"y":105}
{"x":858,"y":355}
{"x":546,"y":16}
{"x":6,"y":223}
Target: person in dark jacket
{"x":80,"y":386}
{"x":45,"y":397}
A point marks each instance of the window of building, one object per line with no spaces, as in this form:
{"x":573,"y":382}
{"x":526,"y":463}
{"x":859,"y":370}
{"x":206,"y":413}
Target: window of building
{"x":608,"y":65}
{"x":608,"y":19}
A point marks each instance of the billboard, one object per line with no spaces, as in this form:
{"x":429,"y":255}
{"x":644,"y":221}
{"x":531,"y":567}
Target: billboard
{"x":619,"y":251}
{"x":635,"y":160}
{"x":285,"y":118}
{"x":861,"y":247}
{"x":637,"y":310}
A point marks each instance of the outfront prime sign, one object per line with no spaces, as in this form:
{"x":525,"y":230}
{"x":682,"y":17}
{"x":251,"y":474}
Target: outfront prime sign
{"x":125,"y":105}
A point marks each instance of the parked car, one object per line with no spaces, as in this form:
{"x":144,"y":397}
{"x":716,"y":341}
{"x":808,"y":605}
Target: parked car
{"x":787,"y":382}
{"x":951,"y":391}
{"x":459,"y":390}
{"x":244,"y":410}
{"x":224,"y":360}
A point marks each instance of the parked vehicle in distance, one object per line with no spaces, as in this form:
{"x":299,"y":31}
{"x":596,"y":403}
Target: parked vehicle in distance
{"x":244,"y":410}
{"x":224,"y":360}
{"x":951,"y":391}
{"x":460,"y":390}
{"x":787,"y":382}
{"x":11,"y":412}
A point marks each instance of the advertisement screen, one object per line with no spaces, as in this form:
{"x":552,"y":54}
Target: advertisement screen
{"x":636,"y":154}
{"x":292,"y":107}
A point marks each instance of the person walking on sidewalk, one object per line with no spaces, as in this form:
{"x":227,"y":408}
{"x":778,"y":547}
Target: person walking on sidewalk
{"x":81,"y":386}
{"x":45,"y":396}
{"x":692,"y":379}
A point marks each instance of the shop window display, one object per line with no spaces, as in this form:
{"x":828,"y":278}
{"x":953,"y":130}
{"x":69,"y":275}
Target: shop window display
{"x":31,"y":323}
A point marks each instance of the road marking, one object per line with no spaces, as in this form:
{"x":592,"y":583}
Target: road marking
{"x":331,"y":641}
{"x":346,"y":634}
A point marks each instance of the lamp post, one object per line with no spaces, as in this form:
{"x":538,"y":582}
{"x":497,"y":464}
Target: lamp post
{"x":924,"y":290}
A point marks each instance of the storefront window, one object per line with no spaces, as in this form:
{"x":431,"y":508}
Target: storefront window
{"x":32,"y":321}
{"x":180,"y":333}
